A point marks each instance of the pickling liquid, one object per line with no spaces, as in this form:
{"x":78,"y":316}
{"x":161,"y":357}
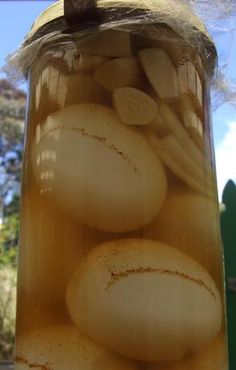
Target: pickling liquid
{"x":120,"y":263}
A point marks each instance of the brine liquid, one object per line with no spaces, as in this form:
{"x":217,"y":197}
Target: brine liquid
{"x":119,"y":152}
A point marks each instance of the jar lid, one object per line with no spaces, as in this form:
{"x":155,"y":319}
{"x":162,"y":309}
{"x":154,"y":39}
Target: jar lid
{"x":176,"y":9}
{"x":173,"y":13}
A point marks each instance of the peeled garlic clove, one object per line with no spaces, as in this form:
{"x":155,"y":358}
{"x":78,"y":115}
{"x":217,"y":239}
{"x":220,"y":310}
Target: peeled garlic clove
{"x":194,"y":127}
{"x":177,"y":160}
{"x":190,"y":148}
{"x":160,"y":127}
{"x":181,"y":135}
{"x":120,"y":72}
{"x":200,"y":127}
{"x":63,"y":90}
{"x":141,"y":41}
{"x":183,"y":78}
{"x":160,"y":71}
{"x":190,"y":82}
{"x":158,"y":124}
{"x":108,"y":43}
{"x":199,"y":66}
{"x":87,"y":63}
{"x":133,"y":106}
{"x":192,"y":85}
{"x":204,"y":183}
{"x":49,"y":78}
{"x":44,"y":100}
{"x":191,"y":121}
{"x":38,"y":88}
{"x":199,"y":90}
{"x":178,"y":52}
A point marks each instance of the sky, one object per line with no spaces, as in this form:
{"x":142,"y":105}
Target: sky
{"x":16,"y":18}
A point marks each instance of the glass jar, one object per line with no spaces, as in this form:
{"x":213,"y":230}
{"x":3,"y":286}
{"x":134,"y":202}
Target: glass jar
{"x":120,"y":263}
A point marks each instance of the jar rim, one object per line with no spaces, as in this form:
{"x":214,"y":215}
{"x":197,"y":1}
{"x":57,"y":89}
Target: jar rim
{"x":53,"y":19}
{"x":55,"y":11}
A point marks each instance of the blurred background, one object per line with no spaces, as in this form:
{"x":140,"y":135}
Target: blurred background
{"x":16,"y":17}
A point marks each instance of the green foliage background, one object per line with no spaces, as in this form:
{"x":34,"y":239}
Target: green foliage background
{"x":12,"y":115}
{"x":8,"y":262}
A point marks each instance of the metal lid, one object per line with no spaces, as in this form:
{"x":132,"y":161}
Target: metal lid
{"x":170,"y":8}
{"x":171,"y":12}
{"x":53,"y":12}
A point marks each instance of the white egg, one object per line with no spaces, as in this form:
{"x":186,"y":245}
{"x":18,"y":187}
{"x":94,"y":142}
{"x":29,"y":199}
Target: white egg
{"x":214,"y":357}
{"x":99,"y":169}
{"x":64,"y":348}
{"x":145,"y":300}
